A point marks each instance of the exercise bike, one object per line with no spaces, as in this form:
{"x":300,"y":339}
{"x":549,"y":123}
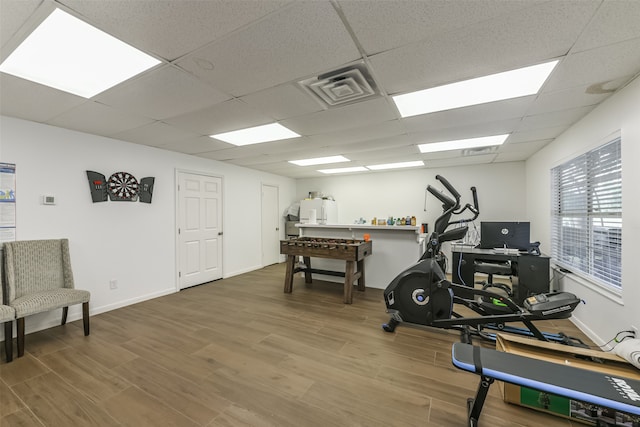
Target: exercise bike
{"x":421,"y":295}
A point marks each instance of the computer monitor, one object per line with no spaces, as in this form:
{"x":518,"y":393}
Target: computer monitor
{"x":511,"y":235}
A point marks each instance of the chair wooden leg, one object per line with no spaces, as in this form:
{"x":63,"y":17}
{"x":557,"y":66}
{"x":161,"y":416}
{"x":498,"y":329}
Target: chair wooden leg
{"x":65,"y":311}
{"x":8,"y":340}
{"x":85,"y":317}
{"x":20,"y":332}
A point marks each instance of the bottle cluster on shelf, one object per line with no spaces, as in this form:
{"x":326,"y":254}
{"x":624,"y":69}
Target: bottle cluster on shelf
{"x":408,"y":220}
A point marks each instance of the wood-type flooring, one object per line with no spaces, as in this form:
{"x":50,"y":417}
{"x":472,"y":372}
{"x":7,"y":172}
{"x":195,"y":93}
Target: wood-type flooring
{"x":240,"y":352}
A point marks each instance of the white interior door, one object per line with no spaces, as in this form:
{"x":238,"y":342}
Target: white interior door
{"x":199,"y":229}
{"x":270,"y":225}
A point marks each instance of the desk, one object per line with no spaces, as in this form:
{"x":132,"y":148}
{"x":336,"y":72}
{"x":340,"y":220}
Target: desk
{"x":352,"y":252}
{"x":532,"y":272}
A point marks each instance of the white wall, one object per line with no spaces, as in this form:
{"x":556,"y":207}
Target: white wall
{"x":500,"y":189}
{"x":132,"y":242}
{"x":604,"y":314}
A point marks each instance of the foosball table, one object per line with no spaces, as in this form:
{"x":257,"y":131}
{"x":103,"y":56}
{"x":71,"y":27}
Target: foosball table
{"x":352,"y":251}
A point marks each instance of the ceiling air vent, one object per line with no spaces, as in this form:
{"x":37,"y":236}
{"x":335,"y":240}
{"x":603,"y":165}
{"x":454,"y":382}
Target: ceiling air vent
{"x":343,"y":86}
{"x":479,"y":151}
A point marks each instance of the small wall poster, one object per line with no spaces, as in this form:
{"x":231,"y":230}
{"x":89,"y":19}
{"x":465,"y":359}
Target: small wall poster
{"x":7,"y":202}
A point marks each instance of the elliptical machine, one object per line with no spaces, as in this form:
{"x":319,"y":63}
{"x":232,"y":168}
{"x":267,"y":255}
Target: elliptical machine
{"x":421,"y":295}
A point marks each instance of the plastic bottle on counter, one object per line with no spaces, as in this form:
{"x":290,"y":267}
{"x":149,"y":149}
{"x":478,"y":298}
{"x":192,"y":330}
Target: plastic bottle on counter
{"x":413,"y":220}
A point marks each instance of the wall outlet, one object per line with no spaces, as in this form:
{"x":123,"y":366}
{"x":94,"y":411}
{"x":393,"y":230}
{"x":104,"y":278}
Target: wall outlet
{"x":113,"y":284}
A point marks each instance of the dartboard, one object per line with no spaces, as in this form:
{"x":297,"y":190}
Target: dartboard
{"x":123,"y":186}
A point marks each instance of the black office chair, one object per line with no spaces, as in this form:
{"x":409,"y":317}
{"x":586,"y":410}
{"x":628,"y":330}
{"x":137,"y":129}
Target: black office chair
{"x":491,"y":268}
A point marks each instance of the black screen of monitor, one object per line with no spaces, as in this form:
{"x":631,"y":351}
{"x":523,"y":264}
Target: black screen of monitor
{"x":512,"y":235}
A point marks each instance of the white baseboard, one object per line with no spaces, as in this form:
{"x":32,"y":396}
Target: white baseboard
{"x":588,"y":332}
{"x":49,"y":319}
{"x":244,"y":270}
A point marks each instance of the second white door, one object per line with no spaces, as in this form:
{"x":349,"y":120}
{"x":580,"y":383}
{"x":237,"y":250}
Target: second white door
{"x":199,"y":229}
{"x":270,"y":225}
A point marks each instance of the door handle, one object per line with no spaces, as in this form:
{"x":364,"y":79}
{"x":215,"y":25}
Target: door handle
{"x":219,"y":233}
{"x":277,"y":229}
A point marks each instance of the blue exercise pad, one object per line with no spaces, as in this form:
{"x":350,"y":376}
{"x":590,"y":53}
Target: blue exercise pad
{"x":610,"y":391}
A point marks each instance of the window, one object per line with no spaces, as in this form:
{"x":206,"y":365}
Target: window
{"x":586,"y":215}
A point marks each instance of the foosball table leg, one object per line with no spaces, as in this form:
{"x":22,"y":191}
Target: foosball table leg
{"x":307,"y":272}
{"x":348,"y":282}
{"x":361,"y":284}
{"x":288,"y":277}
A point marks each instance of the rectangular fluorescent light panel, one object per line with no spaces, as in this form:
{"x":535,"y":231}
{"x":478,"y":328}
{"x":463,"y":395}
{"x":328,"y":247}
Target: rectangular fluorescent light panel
{"x":495,"y":87}
{"x":68,"y":54}
{"x":344,"y":170}
{"x":256,"y":134}
{"x":320,"y":161}
{"x":459,"y":144}
{"x":396,"y":165}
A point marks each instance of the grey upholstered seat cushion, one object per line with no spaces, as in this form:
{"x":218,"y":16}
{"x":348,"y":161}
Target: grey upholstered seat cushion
{"x":48,"y":300}
{"x":7,"y":313}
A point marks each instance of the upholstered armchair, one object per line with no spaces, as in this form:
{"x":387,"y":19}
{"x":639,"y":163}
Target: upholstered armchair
{"x":7,"y":316}
{"x":39,"y":279}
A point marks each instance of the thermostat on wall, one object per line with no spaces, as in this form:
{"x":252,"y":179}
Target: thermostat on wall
{"x":48,"y":200}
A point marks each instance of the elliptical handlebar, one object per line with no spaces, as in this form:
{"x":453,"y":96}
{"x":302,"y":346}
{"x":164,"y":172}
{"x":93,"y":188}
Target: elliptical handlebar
{"x":451,"y":206}
{"x":449,"y":187}
{"x":446,"y":200}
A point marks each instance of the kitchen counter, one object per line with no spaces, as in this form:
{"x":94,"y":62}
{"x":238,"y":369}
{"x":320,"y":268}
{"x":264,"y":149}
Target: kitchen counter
{"x":395,"y":247}
{"x":358,"y":230}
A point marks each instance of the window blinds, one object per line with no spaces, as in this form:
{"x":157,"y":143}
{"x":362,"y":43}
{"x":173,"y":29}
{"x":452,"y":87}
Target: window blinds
{"x":586,"y":214}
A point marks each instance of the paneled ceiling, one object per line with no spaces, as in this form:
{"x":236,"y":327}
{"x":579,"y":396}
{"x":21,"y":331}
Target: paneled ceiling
{"x":231,"y":64}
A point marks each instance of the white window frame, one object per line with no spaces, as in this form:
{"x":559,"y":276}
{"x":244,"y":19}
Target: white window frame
{"x":586,"y":215}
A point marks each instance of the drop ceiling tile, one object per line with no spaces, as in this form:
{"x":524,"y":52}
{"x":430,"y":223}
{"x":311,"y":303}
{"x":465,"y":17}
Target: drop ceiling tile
{"x":527,"y":148}
{"x":392,"y":24}
{"x":32,"y":101}
{"x":399,"y":141}
{"x":98,"y":119}
{"x":536,"y":134}
{"x":579,"y":96}
{"x":614,"y":22}
{"x":469,"y":116}
{"x":155,"y":134}
{"x":231,"y":153}
{"x":278,"y":149}
{"x":172,"y":29}
{"x":557,"y":118}
{"x":336,"y":119}
{"x":293,"y":42}
{"x":223,"y":117}
{"x":388,"y":155}
{"x":517,"y":39}
{"x":463,"y":132}
{"x":597,"y":66}
{"x":516,"y":156}
{"x":283,"y":147}
{"x":363,"y":133}
{"x":287,"y":170}
{"x":260,"y":159}
{"x":460,"y":161}
{"x":202,"y":144}
{"x":162,"y":93}
{"x":439,"y":155}
{"x":13,"y":13}
{"x":283,"y":101}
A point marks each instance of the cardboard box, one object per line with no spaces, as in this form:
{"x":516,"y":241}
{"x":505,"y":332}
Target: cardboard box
{"x":593,"y":360}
